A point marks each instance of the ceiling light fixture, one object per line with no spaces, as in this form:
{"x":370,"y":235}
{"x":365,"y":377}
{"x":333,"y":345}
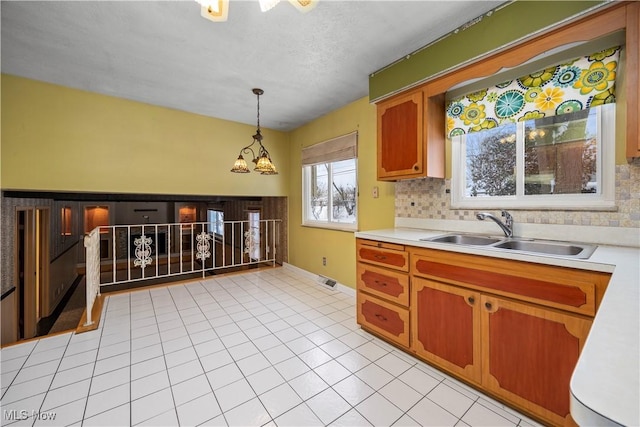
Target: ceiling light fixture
{"x":214,"y":10}
{"x":263,"y":162}
{"x":218,"y":10}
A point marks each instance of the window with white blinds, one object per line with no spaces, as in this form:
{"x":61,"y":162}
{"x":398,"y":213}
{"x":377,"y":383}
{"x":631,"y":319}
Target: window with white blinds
{"x":329,"y":193}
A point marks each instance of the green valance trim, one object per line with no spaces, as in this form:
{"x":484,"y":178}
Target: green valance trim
{"x":576,"y":85}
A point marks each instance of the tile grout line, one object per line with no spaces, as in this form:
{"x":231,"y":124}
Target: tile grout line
{"x":236,"y":364}
{"x":204,"y":373}
{"x":53,"y":377}
{"x":95,"y":363}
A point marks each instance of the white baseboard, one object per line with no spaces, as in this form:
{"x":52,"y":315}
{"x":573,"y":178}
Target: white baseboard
{"x":339,"y":286}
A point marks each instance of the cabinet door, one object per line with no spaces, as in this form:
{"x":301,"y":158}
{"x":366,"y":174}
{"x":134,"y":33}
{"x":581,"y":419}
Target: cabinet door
{"x":400,"y":137}
{"x":445,"y":325}
{"x":386,"y":319}
{"x":529,"y":354}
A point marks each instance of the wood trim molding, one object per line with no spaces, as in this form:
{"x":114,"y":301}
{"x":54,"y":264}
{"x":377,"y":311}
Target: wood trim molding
{"x":591,"y":27}
{"x":573,"y":296}
{"x":633,"y":83}
{"x":9,"y":292}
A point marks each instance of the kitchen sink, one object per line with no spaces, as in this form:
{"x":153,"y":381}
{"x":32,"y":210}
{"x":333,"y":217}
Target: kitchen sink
{"x":548,"y":248}
{"x":465,"y":239}
{"x":542,"y":247}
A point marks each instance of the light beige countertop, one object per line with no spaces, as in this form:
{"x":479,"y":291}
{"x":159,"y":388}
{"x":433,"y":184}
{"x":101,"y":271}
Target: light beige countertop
{"x":605,"y":386}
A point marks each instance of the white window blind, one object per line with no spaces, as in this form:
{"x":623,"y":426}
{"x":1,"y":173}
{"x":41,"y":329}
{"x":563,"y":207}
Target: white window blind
{"x":344,"y":147}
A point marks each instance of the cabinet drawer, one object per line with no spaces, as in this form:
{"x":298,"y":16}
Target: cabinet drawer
{"x":382,"y":255}
{"x":388,"y":320}
{"x":381,"y":245}
{"x":558,"y":287}
{"x":388,"y":284}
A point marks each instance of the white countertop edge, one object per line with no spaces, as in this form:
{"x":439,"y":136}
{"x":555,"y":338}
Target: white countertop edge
{"x":605,"y":386}
{"x":584,"y":416}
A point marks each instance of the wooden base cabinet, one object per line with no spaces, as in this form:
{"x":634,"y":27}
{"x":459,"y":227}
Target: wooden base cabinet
{"x":446,"y":327}
{"x":383,"y":290}
{"x":518,"y":351}
{"x":529,"y":354}
{"x":513,"y":329}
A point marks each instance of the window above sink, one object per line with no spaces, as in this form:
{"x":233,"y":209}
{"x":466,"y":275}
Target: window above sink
{"x":542,"y":141}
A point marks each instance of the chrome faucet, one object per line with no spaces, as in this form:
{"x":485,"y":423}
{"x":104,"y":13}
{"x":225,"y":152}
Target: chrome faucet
{"x":506,"y":226}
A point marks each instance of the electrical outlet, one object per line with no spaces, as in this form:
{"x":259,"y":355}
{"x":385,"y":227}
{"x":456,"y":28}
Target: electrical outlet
{"x":375,"y":193}
{"x":324,"y":260}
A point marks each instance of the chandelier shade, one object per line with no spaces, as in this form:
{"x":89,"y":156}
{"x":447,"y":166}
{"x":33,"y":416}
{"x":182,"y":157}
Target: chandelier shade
{"x":218,"y":10}
{"x":240,"y":166}
{"x":263,"y":161}
{"x":214,"y":10}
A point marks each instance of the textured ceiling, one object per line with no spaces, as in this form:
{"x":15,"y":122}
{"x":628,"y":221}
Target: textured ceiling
{"x":164,"y":53}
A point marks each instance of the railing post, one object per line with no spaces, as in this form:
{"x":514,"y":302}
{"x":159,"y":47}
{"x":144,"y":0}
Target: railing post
{"x":92,"y":273}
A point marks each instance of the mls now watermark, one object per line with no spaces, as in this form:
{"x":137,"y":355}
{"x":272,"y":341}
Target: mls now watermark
{"x":23,"y":414}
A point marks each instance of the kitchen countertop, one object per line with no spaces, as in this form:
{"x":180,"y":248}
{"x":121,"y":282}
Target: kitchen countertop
{"x":605,"y":386}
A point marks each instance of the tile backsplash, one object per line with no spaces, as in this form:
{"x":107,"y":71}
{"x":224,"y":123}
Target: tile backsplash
{"x":428,"y":199}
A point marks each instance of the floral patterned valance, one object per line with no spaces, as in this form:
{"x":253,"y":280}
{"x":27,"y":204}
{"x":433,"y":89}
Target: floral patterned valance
{"x":572,"y":86}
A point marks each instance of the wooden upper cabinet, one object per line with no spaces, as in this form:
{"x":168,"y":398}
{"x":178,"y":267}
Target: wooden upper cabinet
{"x":400,"y":141}
{"x":407,"y":146}
{"x":632,"y":80}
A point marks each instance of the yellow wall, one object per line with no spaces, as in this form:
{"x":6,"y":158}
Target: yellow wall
{"x":60,"y":139}
{"x":308,"y":245}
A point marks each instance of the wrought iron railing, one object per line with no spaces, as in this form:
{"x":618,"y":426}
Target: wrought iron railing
{"x":129,"y":253}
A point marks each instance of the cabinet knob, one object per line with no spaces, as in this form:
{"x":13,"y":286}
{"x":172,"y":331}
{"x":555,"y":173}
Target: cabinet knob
{"x":488,"y":305}
{"x":415,"y":167}
{"x":471,"y":300}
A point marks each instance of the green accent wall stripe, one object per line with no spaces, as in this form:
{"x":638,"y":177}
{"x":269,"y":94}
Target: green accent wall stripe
{"x":513,"y":22}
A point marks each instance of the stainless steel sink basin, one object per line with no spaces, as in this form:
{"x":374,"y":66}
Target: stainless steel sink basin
{"x":541,"y":247}
{"x":465,"y":239}
{"x":548,"y":248}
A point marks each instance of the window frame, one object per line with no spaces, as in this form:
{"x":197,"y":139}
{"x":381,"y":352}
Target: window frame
{"x":213,"y":225}
{"x":603,"y":199}
{"x":306,"y":199}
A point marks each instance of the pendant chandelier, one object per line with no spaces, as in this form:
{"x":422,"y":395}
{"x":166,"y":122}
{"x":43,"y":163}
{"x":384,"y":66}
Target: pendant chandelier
{"x":263,"y":162}
{"x":218,"y":10}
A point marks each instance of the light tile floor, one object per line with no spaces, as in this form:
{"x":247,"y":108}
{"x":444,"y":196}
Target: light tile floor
{"x":262,"y":348}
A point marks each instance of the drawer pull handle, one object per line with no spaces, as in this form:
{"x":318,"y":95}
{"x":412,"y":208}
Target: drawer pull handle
{"x":471,"y":300}
{"x":488,"y":305}
{"x":381,"y":257}
{"x":381,"y":317}
{"x":377,"y":282}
